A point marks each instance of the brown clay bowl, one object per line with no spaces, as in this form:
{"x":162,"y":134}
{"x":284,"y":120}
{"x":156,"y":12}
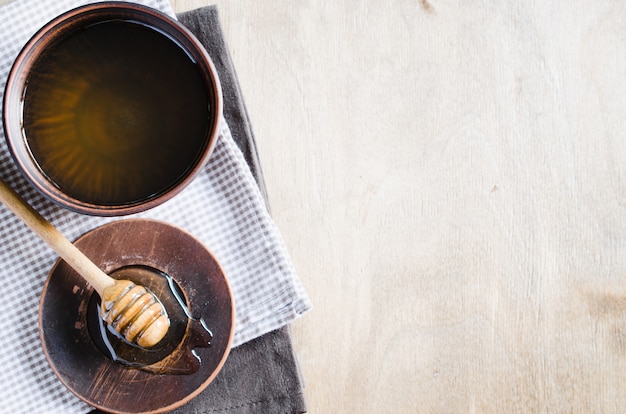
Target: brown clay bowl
{"x":111,"y":109}
{"x":171,"y":376}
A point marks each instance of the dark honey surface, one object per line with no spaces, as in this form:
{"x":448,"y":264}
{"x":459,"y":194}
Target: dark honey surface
{"x":115,"y":113}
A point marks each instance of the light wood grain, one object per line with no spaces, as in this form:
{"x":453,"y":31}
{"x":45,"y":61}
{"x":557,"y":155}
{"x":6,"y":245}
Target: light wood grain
{"x":450,"y":179}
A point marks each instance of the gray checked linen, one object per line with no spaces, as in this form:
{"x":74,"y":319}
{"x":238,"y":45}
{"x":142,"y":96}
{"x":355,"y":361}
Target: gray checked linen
{"x":222,"y":207}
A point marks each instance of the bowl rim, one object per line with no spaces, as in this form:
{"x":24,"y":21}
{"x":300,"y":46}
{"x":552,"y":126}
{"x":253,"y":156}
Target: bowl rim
{"x":12,"y":106}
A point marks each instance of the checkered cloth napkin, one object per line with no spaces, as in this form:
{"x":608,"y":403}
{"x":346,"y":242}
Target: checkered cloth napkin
{"x":222,"y":207}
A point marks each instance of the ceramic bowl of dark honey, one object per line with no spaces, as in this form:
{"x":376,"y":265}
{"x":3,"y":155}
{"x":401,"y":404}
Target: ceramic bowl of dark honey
{"x":111,"y":109}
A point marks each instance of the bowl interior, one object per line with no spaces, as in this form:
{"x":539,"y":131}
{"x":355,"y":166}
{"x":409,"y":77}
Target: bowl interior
{"x":111,"y":109}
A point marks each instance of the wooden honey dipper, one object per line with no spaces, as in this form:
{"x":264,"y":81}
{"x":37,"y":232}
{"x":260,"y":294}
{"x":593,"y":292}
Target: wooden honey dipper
{"x":132,"y":310}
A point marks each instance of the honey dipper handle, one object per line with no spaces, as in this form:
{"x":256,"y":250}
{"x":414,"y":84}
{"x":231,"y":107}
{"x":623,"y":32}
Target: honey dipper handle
{"x":53,"y":237}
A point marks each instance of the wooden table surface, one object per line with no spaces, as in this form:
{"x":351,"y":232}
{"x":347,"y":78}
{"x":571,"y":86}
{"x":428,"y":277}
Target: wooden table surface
{"x":450,"y":180}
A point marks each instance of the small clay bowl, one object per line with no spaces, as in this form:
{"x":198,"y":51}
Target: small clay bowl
{"x":144,"y":381}
{"x":112,"y":108}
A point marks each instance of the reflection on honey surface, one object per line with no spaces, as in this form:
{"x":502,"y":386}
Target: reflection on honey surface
{"x":115,"y":113}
